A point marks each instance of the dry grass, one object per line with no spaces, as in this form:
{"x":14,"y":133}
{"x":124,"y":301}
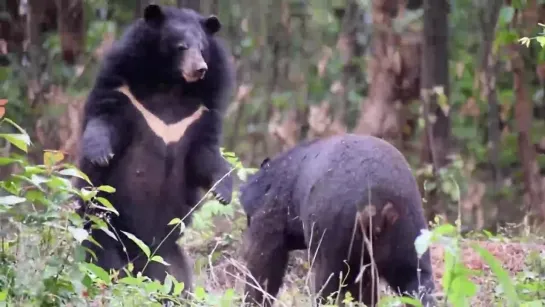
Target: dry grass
{"x":219,"y":267}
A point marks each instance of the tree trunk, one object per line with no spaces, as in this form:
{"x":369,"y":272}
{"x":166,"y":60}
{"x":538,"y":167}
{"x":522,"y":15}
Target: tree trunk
{"x":139,"y":7}
{"x":527,"y":153}
{"x":488,"y":18}
{"x":435,"y":74}
{"x":379,"y":116}
{"x":350,"y":50}
{"x":71,"y":28}
{"x":190,"y":4}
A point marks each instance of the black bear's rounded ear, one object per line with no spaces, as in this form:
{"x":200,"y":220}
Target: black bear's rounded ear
{"x":265,"y":161}
{"x":212,"y":24}
{"x":153,"y":14}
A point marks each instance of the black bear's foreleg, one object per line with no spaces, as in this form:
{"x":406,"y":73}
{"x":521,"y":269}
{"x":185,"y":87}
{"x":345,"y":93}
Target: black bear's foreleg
{"x":106,"y":126}
{"x":98,"y":140}
{"x":208,"y":167}
{"x":212,"y":169}
{"x":403,"y":277}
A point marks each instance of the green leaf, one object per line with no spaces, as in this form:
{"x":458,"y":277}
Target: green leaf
{"x":200,"y":293}
{"x":133,"y":281}
{"x":178,"y":288}
{"x":541,"y":40}
{"x":153,"y":287}
{"x":138,"y":242}
{"x":6,"y":161}
{"x":175,"y":221}
{"x":159,"y":259}
{"x":59,"y":183}
{"x":97,"y":271}
{"x":108,"y":232}
{"x":73,"y":172}
{"x":106,"y":188}
{"x":3,"y":295}
{"x":79,"y":234}
{"x":423,"y":242}
{"x":167,"y":286}
{"x":107,"y":205}
{"x":228,"y":297}
{"x":11,"y":200}
{"x":52,"y":157}
{"x":86,"y":194}
{"x":15,"y":125}
{"x":21,"y":141}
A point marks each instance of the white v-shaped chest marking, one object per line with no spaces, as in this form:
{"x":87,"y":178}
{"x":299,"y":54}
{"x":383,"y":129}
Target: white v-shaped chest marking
{"x":168,"y":133}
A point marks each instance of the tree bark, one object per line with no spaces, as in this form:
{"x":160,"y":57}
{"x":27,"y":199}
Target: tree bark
{"x":527,"y":153}
{"x":139,"y":7}
{"x":190,"y":4}
{"x":70,"y":21}
{"x":489,"y":14}
{"x":435,"y":74}
{"x":379,"y":116}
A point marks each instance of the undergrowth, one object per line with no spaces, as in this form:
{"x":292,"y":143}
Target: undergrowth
{"x":42,"y":259}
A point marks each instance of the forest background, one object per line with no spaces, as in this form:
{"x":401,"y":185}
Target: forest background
{"x":453,"y":84}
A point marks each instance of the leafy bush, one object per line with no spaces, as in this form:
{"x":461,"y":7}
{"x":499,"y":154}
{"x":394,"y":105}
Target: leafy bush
{"x":42,"y":258}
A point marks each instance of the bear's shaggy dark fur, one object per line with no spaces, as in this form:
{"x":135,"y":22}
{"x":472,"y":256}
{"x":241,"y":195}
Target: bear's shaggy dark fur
{"x":312,"y":196}
{"x":166,"y":66}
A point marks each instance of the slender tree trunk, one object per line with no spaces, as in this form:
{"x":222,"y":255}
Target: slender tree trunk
{"x":379,"y":116}
{"x":139,"y":7}
{"x":488,"y":17}
{"x":527,"y":153}
{"x":350,"y":50}
{"x":190,"y":4}
{"x":71,"y":28}
{"x":434,"y":75}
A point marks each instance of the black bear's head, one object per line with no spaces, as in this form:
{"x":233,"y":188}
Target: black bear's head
{"x":184,"y":38}
{"x":254,"y":192}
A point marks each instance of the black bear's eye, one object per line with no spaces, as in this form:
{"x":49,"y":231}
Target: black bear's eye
{"x":182,"y":46}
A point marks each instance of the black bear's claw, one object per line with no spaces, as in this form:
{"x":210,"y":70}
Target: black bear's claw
{"x":225,"y":200}
{"x":102,"y":160}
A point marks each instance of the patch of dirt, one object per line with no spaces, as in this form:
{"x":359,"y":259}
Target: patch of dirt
{"x":512,"y":257}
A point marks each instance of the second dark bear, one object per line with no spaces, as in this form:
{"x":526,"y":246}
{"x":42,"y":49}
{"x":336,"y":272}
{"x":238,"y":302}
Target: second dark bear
{"x":312,"y":196}
{"x":151,"y":129}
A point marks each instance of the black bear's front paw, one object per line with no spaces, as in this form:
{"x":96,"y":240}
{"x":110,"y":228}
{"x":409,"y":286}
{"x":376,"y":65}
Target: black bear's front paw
{"x":223,"y":191}
{"x":100,"y":157}
{"x":96,"y":144}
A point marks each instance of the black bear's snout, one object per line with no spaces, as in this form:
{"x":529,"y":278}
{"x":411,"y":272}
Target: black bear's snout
{"x":200,"y":72}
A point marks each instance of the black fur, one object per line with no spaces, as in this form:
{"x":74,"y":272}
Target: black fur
{"x":319,"y":188}
{"x":154,"y":182}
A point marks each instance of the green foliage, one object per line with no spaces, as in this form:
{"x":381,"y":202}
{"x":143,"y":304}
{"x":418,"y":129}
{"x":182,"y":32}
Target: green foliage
{"x":41,"y":255}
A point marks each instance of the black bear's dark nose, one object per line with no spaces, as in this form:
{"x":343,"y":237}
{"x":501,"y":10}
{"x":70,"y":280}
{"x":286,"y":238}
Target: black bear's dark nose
{"x":202,"y":70}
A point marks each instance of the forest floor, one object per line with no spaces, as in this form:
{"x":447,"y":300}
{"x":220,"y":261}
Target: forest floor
{"x":218,"y":265}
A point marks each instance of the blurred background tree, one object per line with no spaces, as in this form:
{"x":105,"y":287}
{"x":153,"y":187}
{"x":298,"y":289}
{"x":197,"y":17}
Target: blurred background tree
{"x":445,"y":81}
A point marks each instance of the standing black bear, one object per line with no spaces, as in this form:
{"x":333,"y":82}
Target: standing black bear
{"x":311,"y":197}
{"x":151,"y":129}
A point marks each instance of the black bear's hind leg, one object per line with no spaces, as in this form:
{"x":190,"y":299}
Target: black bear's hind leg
{"x":109,"y":256}
{"x":179,"y":267}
